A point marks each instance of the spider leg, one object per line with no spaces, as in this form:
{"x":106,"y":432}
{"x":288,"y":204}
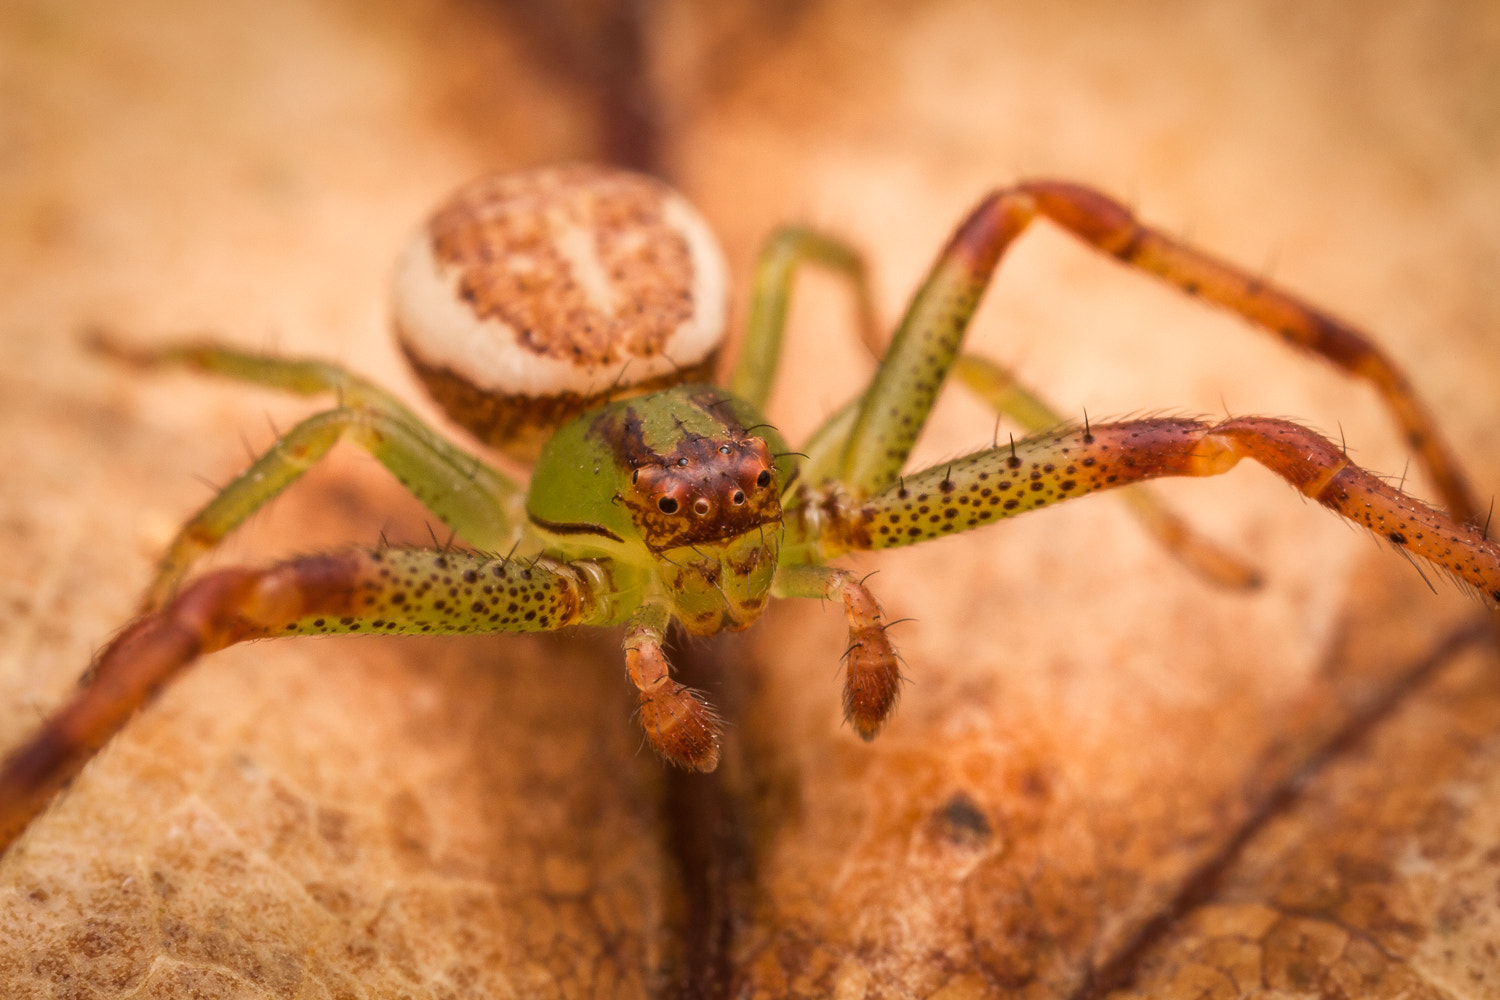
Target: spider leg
{"x":1050,"y":468}
{"x":386,"y":591}
{"x":479,"y":503}
{"x":780,"y":257}
{"x":300,"y":376}
{"x":928,"y":338}
{"x":679,"y":725}
{"x":999,"y":387}
{"x":776,"y":268}
{"x":872,"y":678}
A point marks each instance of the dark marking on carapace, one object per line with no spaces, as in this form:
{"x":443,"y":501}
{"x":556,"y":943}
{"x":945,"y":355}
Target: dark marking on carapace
{"x":707,"y":489}
{"x":573,"y":528}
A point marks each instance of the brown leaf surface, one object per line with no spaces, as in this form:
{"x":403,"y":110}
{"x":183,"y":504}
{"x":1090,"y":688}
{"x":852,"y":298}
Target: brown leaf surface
{"x":1106,"y":778}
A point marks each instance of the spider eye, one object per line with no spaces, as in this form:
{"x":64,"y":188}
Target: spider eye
{"x":635,"y":477}
{"x":724,"y":449}
{"x":667,"y":505}
{"x":682,"y":463}
{"x":738,"y":499}
{"x":764,"y":479}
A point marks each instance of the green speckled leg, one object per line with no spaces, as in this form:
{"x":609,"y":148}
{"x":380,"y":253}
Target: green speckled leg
{"x":472,"y":499}
{"x":900,"y":397}
{"x":301,"y":376}
{"x":389,"y":591}
{"x":824,"y":450}
{"x":479,"y":503}
{"x":1001,"y":482}
{"x":928,"y":338}
{"x":781,"y":257}
{"x":999,"y":388}
{"x":783,"y":254}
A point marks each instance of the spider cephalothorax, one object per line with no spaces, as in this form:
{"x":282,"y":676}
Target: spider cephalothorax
{"x":673,"y":483}
{"x":553,"y":314}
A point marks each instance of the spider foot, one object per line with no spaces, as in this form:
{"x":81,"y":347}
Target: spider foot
{"x":679,"y":724}
{"x":873,"y":670}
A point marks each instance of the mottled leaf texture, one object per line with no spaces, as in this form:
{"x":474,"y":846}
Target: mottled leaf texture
{"x":1105,"y":777}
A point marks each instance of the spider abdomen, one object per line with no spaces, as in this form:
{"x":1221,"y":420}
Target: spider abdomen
{"x":530,"y":297}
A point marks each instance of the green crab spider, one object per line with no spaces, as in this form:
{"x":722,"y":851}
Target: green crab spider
{"x":573,"y":315}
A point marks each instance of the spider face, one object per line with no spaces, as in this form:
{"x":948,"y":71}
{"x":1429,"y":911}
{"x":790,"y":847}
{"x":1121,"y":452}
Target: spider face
{"x":709,"y":513}
{"x":705,"y":490}
{"x":673,"y":480}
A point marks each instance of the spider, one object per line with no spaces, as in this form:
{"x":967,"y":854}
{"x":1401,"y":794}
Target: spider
{"x":571,"y":316}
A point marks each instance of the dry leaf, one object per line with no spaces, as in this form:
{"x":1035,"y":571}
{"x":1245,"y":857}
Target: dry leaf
{"x":1105,"y":775}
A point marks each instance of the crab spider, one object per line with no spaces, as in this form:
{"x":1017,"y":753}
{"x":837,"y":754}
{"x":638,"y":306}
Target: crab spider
{"x":572,"y":315}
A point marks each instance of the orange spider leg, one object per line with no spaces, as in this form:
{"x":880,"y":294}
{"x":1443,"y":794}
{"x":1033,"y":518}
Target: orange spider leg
{"x":390,"y":591}
{"x":872,"y":675}
{"x":1008,"y":480}
{"x":678,"y":723}
{"x":1108,"y":225}
{"x":927,"y":341}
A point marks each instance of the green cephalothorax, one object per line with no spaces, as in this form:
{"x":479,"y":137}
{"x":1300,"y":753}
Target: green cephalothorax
{"x":579,"y":297}
{"x":675,"y":481}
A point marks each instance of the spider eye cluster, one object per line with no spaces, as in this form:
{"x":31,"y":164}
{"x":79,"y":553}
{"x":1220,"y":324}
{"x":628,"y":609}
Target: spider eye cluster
{"x":707,"y":488}
{"x":530,"y":297}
